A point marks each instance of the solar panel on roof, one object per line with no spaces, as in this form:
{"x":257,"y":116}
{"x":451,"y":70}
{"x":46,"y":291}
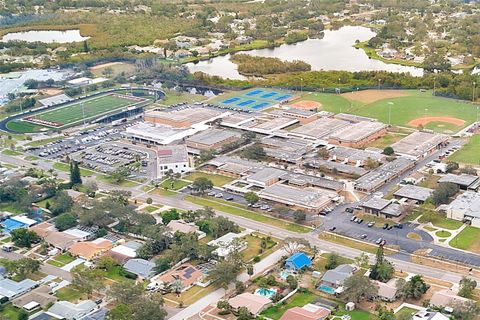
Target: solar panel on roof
{"x":188,"y":272}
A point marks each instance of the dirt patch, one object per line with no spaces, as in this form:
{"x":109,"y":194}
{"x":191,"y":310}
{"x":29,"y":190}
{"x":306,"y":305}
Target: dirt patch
{"x":104,"y":65}
{"x":51,"y":91}
{"x":307,"y":105}
{"x":369,"y":96}
{"x":414,"y":236}
{"x":426,"y":120}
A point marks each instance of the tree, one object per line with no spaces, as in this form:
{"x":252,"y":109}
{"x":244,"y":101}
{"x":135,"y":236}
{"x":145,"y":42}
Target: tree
{"x":468,"y":310}
{"x":384,"y":313}
{"x":361,"y":261}
{"x":65,"y":221}
{"x":60,"y":203}
{"x":23,"y":315}
{"x":358,"y":287}
{"x":292,"y":282}
{"x":223,"y":305}
{"x":162,"y":264}
{"x":452,"y":166}
{"x":371,"y":163}
{"x":75,"y":176}
{"x":106,"y":263}
{"x":24,"y":238}
{"x":202,"y":184}
{"x":85,"y":46}
{"x":299,"y":216}
{"x":443,"y":192}
{"x":239,"y":287}
{"x":293,"y":245}
{"x":466,"y":287}
{"x":124,"y":292}
{"x":31,"y":84}
{"x":254,"y":152}
{"x":333,"y":261}
{"x":323,"y":153}
{"x":149,"y":201}
{"x":382,"y":270}
{"x":415,"y":287}
{"x":170,"y":215}
{"x":244,"y":314}
{"x":21,"y":268}
{"x":87,"y":280}
{"x":120,"y":174}
{"x":251,"y":197}
{"x":388,"y":151}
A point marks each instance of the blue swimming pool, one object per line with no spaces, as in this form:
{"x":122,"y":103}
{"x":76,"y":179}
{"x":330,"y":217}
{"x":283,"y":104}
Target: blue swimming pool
{"x":268,"y":293}
{"x":326,"y":289}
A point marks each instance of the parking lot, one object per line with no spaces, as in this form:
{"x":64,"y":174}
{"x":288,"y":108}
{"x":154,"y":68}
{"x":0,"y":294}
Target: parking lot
{"x":59,"y":149}
{"x":109,"y":156}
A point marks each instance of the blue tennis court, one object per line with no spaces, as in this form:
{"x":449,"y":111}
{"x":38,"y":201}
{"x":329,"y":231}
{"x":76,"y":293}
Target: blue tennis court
{"x":257,"y":99}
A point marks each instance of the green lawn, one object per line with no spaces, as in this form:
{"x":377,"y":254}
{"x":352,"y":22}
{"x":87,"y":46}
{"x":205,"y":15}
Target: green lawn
{"x":174,"y":97}
{"x":441,"y":222}
{"x":217,"y":179}
{"x":10,"y":312}
{"x":39,"y":143}
{"x":150,"y":209}
{"x":469,"y":153}
{"x":117,"y":69}
{"x":65,"y":258}
{"x":70,"y":293}
{"x":405,"y":311}
{"x":467,"y":239}
{"x":124,"y":183}
{"x":298,"y":300}
{"x":443,"y":234}
{"x":386,"y":141}
{"x":23,"y":126}
{"x":254,"y":247}
{"x":31,"y":158}
{"x":60,"y":166}
{"x":55,"y":263}
{"x":9,"y":152}
{"x":114,"y":274}
{"x":248,"y":214}
{"x":174,"y":184}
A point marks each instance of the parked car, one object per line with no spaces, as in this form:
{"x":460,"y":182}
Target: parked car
{"x":370,"y":224}
{"x":332,"y":229}
{"x":359,"y":220}
{"x":390,"y":227}
{"x":211,"y":193}
{"x":379,"y":240}
{"x":363,"y":236}
{"x":349,"y":210}
{"x":399,"y":226}
{"x":353,"y":218}
{"x":219,"y":195}
{"x":229,"y":198}
{"x":385,"y":226}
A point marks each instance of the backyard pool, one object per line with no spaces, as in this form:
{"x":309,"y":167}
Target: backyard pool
{"x":326,"y":289}
{"x":268,"y":293}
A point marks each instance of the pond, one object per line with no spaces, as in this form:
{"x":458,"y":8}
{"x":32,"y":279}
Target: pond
{"x":46,"y":36}
{"x":334,"y":51}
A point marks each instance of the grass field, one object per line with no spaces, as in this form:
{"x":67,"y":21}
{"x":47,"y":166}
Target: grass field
{"x":467,"y":239}
{"x":248,"y":214}
{"x":469,"y":153}
{"x":173,"y":97}
{"x":414,"y":104}
{"x":86,"y":109}
{"x":218,"y":180}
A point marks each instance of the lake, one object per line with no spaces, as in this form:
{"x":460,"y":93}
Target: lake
{"x":46,"y":36}
{"x":334,"y":51}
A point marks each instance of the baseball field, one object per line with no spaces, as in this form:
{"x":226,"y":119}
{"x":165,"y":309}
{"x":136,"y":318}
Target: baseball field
{"x":409,"y":108}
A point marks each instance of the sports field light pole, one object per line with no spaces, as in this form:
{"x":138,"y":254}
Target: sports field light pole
{"x":434,"y":84}
{"x":301,"y":85}
{"x":473,"y":93}
{"x":390,"y":103}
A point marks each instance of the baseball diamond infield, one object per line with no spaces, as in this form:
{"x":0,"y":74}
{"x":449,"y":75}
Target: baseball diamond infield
{"x":426,"y":120}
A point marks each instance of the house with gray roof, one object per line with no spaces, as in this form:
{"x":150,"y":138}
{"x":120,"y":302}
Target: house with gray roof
{"x":463,"y":181}
{"x":12,"y":289}
{"x":70,"y":311}
{"x":141,"y":267}
{"x":415,"y":193}
{"x":336,"y":277}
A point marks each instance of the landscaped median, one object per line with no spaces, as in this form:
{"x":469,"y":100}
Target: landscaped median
{"x":239,"y":211}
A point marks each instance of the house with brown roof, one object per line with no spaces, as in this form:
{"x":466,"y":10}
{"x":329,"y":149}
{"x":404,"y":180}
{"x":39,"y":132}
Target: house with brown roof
{"x":186,"y":273}
{"x":185,"y":227}
{"x":40,"y":296}
{"x":253,"y":302}
{"x":56,"y":239}
{"x":307,"y":312}
{"x":89,"y":250}
{"x":446,"y":298}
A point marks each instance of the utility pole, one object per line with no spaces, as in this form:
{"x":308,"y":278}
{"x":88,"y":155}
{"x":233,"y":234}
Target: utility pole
{"x":379,"y":80}
{"x":434,"y":84}
{"x":473,"y":93}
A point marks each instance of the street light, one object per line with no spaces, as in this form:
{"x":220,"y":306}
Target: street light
{"x":473,"y":93}
{"x":379,"y":80}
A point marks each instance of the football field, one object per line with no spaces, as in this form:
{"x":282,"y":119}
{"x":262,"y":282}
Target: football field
{"x":84,"y":110}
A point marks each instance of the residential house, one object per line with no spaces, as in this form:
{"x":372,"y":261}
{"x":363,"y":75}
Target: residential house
{"x":429,"y":315}
{"x":125,"y":251}
{"x":387,"y":291}
{"x":334,"y":279}
{"x":185,"y":227}
{"x":446,"y":298}
{"x":70,"y":311}
{"x":12,"y":289}
{"x":141,"y":267}
{"x":39,"y":296}
{"x":253,"y":302}
{"x":89,"y":250}
{"x":298,"y":261}
{"x":225,"y":244}
{"x":187,"y":274}
{"x":307,"y":312}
